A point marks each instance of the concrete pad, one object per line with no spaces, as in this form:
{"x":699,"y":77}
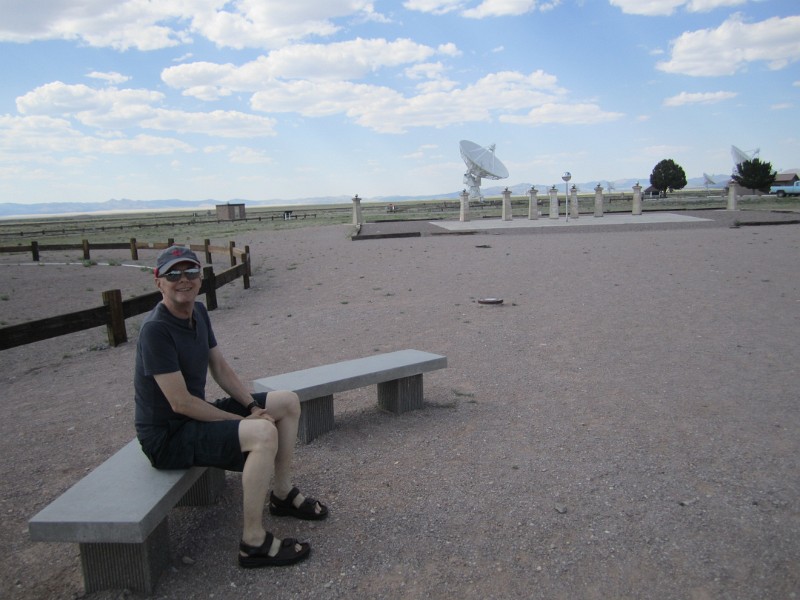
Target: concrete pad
{"x":544,"y":221}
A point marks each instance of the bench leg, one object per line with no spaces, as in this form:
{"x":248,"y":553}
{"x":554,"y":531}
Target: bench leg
{"x":316,"y":418}
{"x":401,"y":395}
{"x":126,"y":566}
{"x":205,"y":490}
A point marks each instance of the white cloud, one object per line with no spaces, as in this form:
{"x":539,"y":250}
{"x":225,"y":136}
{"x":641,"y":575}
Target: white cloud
{"x":425,"y":71}
{"x":44,"y":139}
{"x":229,"y":124}
{"x":782,"y":106}
{"x":126,"y":24}
{"x":35,"y":134}
{"x":353,"y":59}
{"x":59,"y":98}
{"x":387,"y":111}
{"x":709,"y":5}
{"x":504,"y":8}
{"x":733,"y":45}
{"x":647,"y":7}
{"x":112,"y":77}
{"x":663,"y":8}
{"x":141,"y":144}
{"x":436,"y":7}
{"x":699,"y":98}
{"x":565,"y":114}
{"x":112,"y":108}
{"x":486,"y":8}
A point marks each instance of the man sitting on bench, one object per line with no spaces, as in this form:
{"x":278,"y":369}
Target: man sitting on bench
{"x":251,"y":433}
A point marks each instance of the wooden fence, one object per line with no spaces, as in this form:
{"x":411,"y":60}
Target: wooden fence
{"x":114,"y":310}
{"x":50,"y":228}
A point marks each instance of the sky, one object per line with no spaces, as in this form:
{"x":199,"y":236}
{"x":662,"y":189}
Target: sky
{"x":269,"y":100}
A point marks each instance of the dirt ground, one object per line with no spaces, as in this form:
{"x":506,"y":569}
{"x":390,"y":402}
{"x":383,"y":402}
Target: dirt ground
{"x":624,"y":425}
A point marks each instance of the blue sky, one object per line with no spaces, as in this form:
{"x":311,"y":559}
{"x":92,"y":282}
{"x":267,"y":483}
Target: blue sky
{"x":268,"y":100}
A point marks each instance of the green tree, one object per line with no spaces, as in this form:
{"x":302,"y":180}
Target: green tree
{"x":754,"y":175}
{"x":668,"y":175}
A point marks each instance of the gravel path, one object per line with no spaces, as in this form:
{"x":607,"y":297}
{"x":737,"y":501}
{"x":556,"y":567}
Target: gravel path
{"x":624,"y":425}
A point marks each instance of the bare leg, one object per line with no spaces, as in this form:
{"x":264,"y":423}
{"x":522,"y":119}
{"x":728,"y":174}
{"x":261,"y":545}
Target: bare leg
{"x":284,"y":407}
{"x":259,"y":438}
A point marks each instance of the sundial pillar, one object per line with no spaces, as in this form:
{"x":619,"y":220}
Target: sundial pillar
{"x":464,"y":216}
{"x":533,"y":204}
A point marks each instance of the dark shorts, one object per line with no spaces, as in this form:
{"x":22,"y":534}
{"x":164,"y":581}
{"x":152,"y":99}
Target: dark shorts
{"x":203,"y":444}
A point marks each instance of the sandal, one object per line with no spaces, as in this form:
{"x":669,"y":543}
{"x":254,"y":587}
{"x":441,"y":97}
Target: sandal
{"x":258,"y":556}
{"x":306,"y":511}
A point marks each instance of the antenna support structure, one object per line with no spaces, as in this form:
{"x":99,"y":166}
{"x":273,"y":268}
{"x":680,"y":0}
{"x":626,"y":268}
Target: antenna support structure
{"x":481,"y":163}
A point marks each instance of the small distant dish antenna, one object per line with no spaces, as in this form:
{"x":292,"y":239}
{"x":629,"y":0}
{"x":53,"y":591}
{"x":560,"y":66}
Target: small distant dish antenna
{"x":481,"y":162}
{"x":610,"y":186}
{"x":707,"y":180}
{"x":740,"y":156}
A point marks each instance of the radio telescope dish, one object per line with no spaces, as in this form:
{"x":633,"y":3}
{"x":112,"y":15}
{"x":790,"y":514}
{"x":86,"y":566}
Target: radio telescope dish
{"x":740,"y":156}
{"x":481,"y":162}
{"x":707,"y":180}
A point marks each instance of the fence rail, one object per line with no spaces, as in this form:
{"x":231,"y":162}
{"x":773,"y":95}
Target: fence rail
{"x":114,"y":310}
{"x":90,"y":226}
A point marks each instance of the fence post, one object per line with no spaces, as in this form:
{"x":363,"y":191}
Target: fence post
{"x":35,"y":251}
{"x":86,"y":250}
{"x":116,"y":323}
{"x":231,"y":246}
{"x":134,"y":250}
{"x":210,"y":281}
{"x":206,"y":244}
{"x":246,"y":260}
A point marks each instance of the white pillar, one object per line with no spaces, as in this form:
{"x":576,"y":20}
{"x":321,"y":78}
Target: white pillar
{"x":507,"y":216}
{"x":357,"y":210}
{"x":464,"y":216}
{"x":573,"y":200}
{"x":636,"y":208}
{"x":598,"y":201}
{"x":533,"y":204}
{"x":732,"y":195}
{"x":553,"y":202}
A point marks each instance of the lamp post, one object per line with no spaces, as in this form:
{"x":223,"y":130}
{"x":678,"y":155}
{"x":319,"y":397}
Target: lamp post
{"x":566,"y":177}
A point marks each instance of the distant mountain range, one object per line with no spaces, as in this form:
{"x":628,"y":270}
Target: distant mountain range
{"x":12,"y":209}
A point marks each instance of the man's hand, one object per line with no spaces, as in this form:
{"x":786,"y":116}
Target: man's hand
{"x":260,"y":413}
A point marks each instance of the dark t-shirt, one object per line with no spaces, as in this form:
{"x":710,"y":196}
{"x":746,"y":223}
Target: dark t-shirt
{"x":168,"y":344}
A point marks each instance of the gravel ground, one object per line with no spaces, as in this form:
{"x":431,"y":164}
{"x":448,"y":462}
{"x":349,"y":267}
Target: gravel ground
{"x":624,"y":425}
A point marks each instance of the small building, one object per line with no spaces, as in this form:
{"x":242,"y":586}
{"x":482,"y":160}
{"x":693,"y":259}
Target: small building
{"x":787,"y":178}
{"x":651,"y":192}
{"x":230,"y":212}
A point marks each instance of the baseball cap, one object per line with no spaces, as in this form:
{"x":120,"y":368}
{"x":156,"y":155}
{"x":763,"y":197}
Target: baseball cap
{"x":174,"y":255}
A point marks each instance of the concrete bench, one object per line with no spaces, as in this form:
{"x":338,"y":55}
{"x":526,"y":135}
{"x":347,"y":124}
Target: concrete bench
{"x":397,"y":374}
{"x":118,"y":516}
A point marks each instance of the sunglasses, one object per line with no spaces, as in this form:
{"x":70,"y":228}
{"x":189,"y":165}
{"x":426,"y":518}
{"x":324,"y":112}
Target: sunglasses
{"x":173,"y":276}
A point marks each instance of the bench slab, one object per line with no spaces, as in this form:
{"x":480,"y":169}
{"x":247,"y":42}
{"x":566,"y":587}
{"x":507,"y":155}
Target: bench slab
{"x":397,"y":374}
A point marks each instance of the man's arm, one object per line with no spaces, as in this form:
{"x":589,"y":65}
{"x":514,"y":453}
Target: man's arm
{"x":227,"y":379}
{"x":182,"y":402}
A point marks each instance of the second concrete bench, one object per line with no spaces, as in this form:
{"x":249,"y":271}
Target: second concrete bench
{"x":397,"y":374}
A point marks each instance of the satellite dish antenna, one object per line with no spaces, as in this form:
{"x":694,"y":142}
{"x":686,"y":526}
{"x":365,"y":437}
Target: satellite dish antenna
{"x":610,"y":186}
{"x":740,"y":156}
{"x":481,"y":162}
{"x":707,"y":180}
